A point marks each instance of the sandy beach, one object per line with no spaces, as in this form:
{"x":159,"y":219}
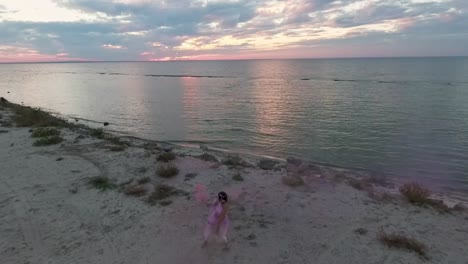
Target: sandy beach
{"x":288,"y":212}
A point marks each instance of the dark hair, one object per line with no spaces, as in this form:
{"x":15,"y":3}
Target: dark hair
{"x":222,"y":196}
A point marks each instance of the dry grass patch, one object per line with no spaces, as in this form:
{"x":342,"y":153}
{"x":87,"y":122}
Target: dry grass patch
{"x":238,"y":177}
{"x":400,"y":241}
{"x":208,"y":157}
{"x":45,"y":132}
{"x":167,"y":170}
{"x":137,"y":190}
{"x":414,"y":193}
{"x":361,"y":231}
{"x":166,"y":157}
{"x":117,"y":148}
{"x":6,"y":123}
{"x":97,"y":133}
{"x":420,"y":196}
{"x":292,"y":181}
{"x":359,"y":184}
{"x":141,"y":170}
{"x":47,"y":141}
{"x":235,"y":161}
{"x":29,"y":117}
{"x":32,"y":117}
{"x":102,"y":183}
{"x":144,"y":180}
{"x":161,"y":194}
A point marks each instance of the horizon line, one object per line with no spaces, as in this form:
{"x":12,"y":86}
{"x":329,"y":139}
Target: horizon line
{"x":188,"y":60}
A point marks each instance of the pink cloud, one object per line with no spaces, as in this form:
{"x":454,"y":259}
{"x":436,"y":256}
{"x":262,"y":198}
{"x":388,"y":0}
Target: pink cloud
{"x":22,"y":54}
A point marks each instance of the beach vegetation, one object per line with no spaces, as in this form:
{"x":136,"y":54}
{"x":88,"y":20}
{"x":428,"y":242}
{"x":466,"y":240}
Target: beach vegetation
{"x":102,"y":183}
{"x":45,"y":132}
{"x":401,"y":241}
{"x":167,"y":170}
{"x":47,"y":141}
{"x":361,"y":231}
{"x":144,"y":180}
{"x":238,"y":177}
{"x":165,"y":202}
{"x":97,"y":133}
{"x":141,"y":170}
{"x":234,"y":160}
{"x":292,"y":181}
{"x":415,"y":193}
{"x":420,"y":196}
{"x":6,"y":123}
{"x":115,"y":140}
{"x":166,"y":157}
{"x":162,"y":192}
{"x":117,"y":148}
{"x":136,"y":190}
{"x":208,"y":157}
{"x":358,"y":184}
{"x":34,"y":117}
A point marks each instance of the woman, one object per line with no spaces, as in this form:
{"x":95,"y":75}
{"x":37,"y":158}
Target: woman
{"x":218,"y":221}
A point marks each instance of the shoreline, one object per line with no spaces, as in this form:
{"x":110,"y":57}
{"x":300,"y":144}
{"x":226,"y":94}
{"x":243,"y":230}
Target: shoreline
{"x":398,"y":179}
{"x":95,"y":197}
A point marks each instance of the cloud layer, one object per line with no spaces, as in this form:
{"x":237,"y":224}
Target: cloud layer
{"x":229,"y":29}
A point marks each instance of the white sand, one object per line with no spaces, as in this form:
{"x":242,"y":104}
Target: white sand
{"x":42,"y":220}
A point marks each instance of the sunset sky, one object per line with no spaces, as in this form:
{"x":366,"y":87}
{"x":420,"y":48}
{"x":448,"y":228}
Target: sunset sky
{"x":122,"y":30}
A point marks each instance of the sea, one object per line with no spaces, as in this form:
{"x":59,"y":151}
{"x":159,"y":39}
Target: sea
{"x":404,"y":117}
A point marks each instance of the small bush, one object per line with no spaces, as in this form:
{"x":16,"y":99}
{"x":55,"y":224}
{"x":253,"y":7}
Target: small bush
{"x":115,"y":140}
{"x":414,"y":193}
{"x":167,"y":171}
{"x":45,"y":132}
{"x":166,"y":157}
{"x":360,"y":184}
{"x":165,"y":202}
{"x":144,"y":180}
{"x":97,"y":133}
{"x":361,"y":231}
{"x":162,"y":192}
{"x":419,"y":196}
{"x":117,"y":148}
{"x":6,"y":123}
{"x":401,"y":241}
{"x":29,"y":117}
{"x":234,"y":161}
{"x":190,"y":176}
{"x":292,"y":181}
{"x":238,"y":177}
{"x":141,"y":170}
{"x":138,"y":190}
{"x":47,"y":141}
{"x":102,"y":183}
{"x":208,"y":157}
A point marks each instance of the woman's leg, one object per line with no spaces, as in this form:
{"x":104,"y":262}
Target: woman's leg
{"x":223,"y":232}
{"x":207,"y":230}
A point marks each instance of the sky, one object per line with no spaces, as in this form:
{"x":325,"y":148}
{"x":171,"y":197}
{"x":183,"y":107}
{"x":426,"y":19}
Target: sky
{"x":161,"y":30}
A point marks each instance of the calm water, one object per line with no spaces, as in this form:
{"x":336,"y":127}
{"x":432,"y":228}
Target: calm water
{"x":405,"y":117}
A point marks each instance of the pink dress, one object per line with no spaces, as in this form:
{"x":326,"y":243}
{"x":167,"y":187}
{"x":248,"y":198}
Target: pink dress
{"x":213,"y":218}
